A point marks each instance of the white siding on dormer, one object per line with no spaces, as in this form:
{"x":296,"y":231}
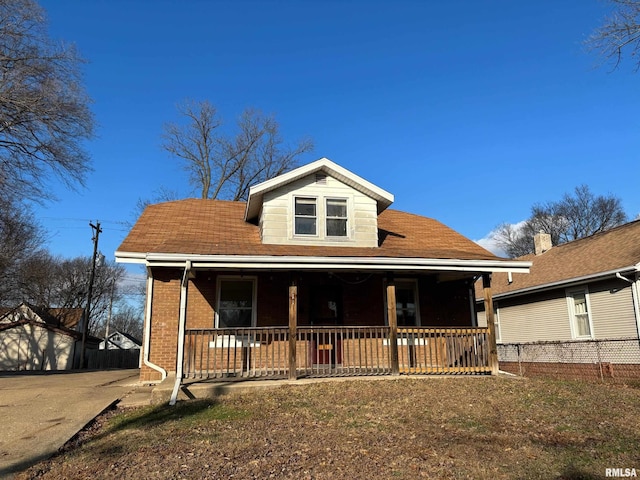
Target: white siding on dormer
{"x":277,"y":218}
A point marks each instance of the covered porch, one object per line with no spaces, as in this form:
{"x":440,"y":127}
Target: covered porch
{"x":243,"y":324}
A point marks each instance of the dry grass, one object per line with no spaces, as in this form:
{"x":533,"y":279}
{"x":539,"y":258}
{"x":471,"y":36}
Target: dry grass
{"x":409,"y":428}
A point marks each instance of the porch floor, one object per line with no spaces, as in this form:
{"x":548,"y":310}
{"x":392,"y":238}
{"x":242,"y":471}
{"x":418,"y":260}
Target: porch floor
{"x":213,"y":388}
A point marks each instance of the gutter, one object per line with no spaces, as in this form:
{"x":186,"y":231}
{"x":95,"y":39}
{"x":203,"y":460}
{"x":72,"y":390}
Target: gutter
{"x":563,"y":283}
{"x":181,"y":329}
{"x":147,"y":328}
{"x":324,"y":263}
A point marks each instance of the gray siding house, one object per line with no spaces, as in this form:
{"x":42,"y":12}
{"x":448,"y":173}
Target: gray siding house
{"x":579,"y":304}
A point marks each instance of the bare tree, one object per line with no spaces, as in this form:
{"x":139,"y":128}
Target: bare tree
{"x":44,"y":114}
{"x":620,"y":34}
{"x":584,"y":214}
{"x":21,"y":239}
{"x":225,"y":166}
{"x":126,"y":318}
{"x":512,"y":239}
{"x":47,"y":281}
{"x":574,"y":216}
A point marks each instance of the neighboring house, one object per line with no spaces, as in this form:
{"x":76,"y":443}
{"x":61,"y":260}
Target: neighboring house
{"x":33,"y":338}
{"x":584,"y":290}
{"x":313,"y":275}
{"x":120,"y":341}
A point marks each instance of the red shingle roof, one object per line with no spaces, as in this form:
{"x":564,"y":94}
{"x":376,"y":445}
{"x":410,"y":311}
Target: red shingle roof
{"x":214,"y":227}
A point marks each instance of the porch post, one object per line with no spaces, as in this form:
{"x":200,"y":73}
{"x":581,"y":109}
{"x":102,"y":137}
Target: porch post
{"x":393,"y":327}
{"x":488,"y":309}
{"x":293,"y":326}
{"x":182,"y":320}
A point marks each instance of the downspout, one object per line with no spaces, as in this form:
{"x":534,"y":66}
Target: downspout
{"x":147,"y":327}
{"x":635,"y":295}
{"x":181,"y":329}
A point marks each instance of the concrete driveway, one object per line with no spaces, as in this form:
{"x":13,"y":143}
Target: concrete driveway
{"x":40,"y":412}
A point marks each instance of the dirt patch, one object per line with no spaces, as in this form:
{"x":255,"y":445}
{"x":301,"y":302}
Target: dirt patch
{"x":410,"y":428}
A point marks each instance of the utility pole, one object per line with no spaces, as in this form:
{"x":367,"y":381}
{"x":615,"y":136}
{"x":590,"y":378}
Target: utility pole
{"x":85,"y":327}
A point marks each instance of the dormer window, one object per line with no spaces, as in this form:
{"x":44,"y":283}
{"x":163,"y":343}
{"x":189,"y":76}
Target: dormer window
{"x":336,"y":217}
{"x":305,"y":216}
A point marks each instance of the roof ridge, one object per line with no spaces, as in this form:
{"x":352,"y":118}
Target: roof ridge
{"x":591,"y":237}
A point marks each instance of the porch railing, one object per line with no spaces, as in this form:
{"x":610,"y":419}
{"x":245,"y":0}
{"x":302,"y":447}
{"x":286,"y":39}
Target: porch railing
{"x":443,"y":350}
{"x":263,"y":352}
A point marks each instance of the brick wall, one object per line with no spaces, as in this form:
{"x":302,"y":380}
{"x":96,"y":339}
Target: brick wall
{"x":164,"y":322}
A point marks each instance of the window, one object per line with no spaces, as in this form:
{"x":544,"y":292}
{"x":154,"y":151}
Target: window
{"x":406,"y":307}
{"x":305,"y":216}
{"x":336,"y":218}
{"x":579,"y":312}
{"x":407,"y":314}
{"x":235,"y":302}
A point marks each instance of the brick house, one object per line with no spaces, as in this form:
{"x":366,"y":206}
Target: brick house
{"x":313,"y":276}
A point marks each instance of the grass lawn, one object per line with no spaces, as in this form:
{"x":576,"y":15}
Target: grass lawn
{"x":407,"y":428}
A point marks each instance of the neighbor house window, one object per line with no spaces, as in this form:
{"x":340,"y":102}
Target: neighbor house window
{"x":236,"y":302}
{"x":305,"y":216}
{"x":336,"y":218}
{"x":579,"y":312}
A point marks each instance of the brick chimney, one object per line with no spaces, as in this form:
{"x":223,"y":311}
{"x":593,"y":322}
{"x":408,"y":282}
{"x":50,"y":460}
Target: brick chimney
{"x":542,"y":242}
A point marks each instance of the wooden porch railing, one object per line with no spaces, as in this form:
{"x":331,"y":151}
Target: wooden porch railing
{"x":236,"y":352}
{"x":343,"y":351}
{"x":263,"y":352}
{"x":443,"y":350}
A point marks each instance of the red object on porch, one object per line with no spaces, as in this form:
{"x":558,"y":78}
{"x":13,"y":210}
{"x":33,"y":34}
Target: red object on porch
{"x":325,"y":351}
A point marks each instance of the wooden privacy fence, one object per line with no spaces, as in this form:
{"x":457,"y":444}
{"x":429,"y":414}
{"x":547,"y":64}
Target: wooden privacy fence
{"x":112,"y":358}
{"x":269,"y":352}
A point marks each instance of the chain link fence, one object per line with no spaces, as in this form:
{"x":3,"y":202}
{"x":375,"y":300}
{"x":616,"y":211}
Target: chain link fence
{"x":614,"y":360}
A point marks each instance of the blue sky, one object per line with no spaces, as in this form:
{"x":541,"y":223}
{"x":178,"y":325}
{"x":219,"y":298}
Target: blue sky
{"x":467,"y":111}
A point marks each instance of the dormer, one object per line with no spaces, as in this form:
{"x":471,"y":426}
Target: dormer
{"x":318,"y":204}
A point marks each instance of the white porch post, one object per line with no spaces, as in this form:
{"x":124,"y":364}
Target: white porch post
{"x":182,"y":320}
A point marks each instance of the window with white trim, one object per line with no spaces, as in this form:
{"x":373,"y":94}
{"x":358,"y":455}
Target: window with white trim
{"x":496,"y":322}
{"x":578,"y":301}
{"x":336,"y":213}
{"x":305,"y":222}
{"x":236,"y":302}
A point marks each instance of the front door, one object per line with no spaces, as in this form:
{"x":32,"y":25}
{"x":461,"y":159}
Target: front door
{"x":326,"y":311}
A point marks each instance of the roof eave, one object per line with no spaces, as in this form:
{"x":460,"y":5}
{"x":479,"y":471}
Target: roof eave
{"x":566,"y":283}
{"x":322,"y":263}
